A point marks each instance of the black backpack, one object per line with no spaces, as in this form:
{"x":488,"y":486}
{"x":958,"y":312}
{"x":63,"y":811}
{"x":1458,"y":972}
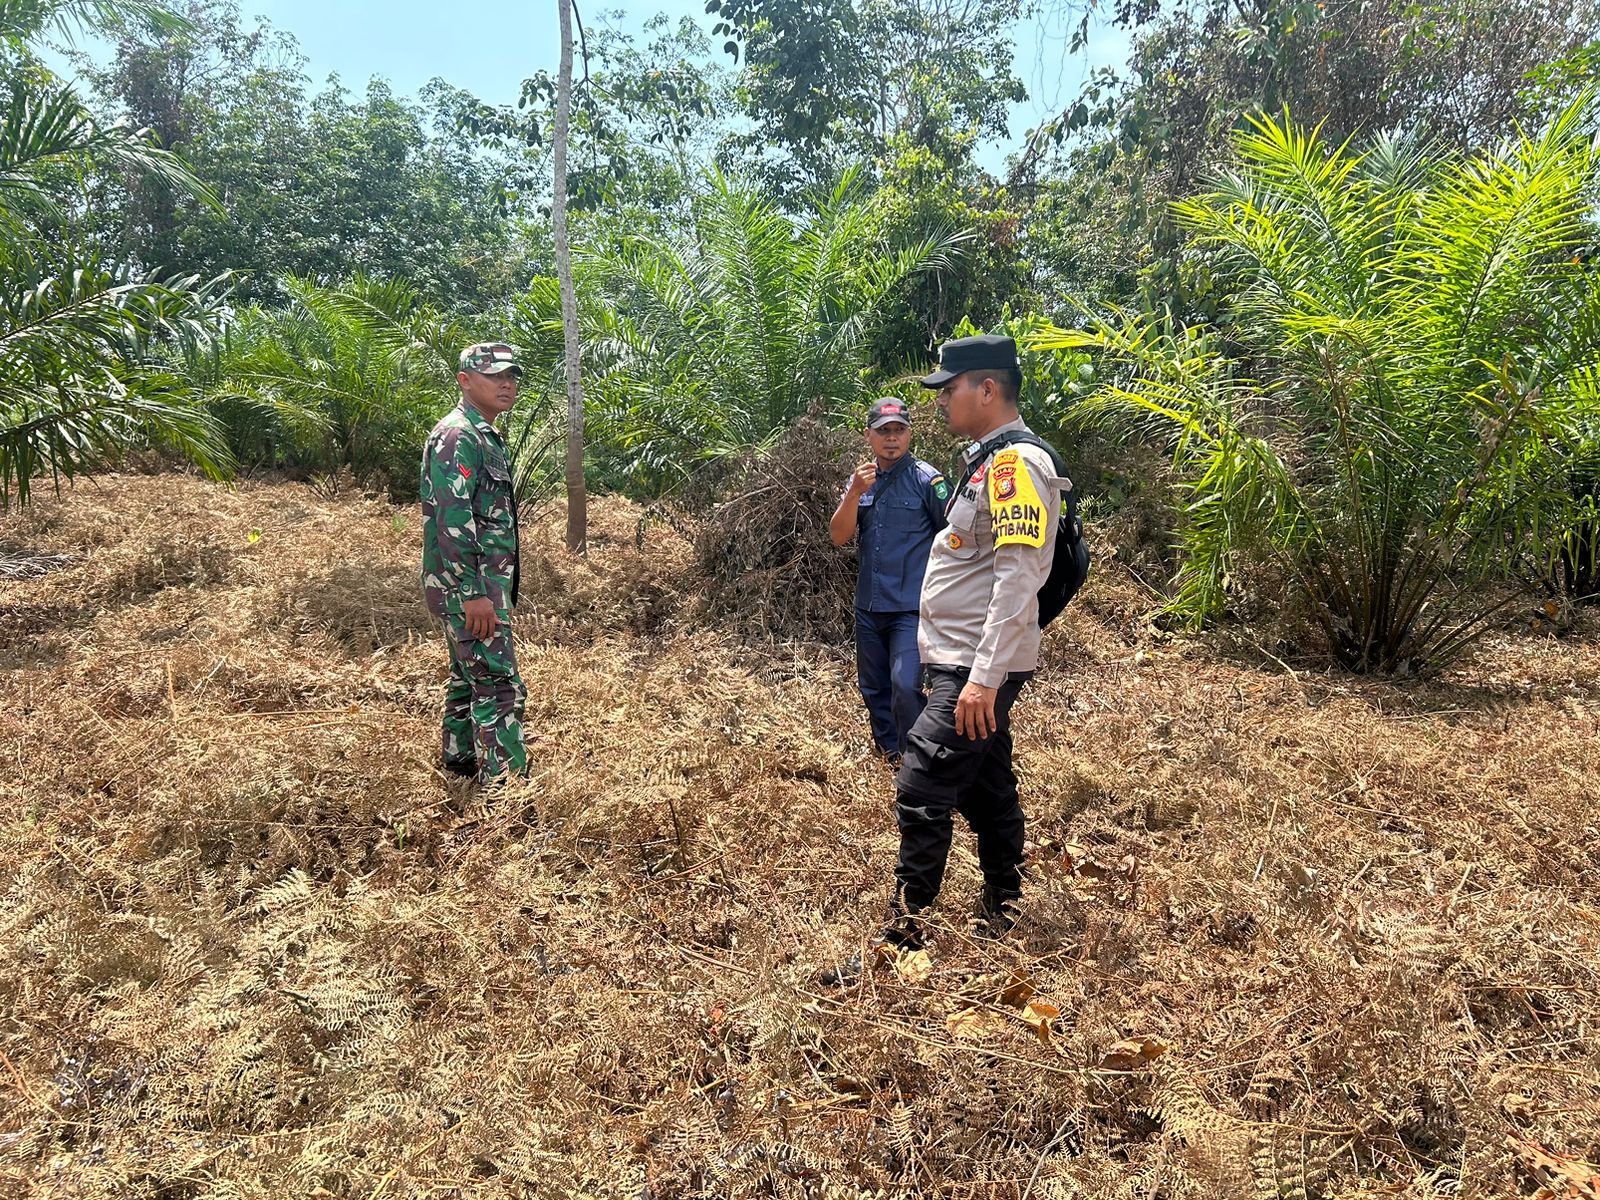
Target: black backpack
{"x":1070,"y":566}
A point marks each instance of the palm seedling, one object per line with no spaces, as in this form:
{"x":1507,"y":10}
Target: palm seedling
{"x":1385,"y":411}
{"x":341,"y":376}
{"x":711,"y":342}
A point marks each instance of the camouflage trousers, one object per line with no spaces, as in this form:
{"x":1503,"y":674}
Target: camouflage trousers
{"x":483,"y":702}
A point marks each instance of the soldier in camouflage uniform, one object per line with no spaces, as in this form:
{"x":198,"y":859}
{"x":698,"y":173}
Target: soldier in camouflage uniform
{"x":469,"y":567}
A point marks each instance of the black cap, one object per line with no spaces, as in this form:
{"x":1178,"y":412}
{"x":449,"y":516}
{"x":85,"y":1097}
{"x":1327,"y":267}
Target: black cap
{"x":986,"y":352}
{"x":886,"y":410}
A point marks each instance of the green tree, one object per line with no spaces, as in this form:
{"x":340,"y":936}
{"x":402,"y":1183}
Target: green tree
{"x":828,"y":83}
{"x":925,"y":187}
{"x":81,"y":341}
{"x":705,"y":343}
{"x":643,"y":117}
{"x":313,"y":185}
{"x":1381,"y":415}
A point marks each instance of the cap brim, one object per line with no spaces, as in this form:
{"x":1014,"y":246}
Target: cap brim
{"x":889,"y":419}
{"x":938,"y":378}
{"x":500,"y":369}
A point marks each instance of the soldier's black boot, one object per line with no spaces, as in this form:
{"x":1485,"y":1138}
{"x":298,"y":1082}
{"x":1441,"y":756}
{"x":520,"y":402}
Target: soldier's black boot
{"x":466,"y":767}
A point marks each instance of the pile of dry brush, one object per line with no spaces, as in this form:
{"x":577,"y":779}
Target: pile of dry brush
{"x":762,"y":548}
{"x":1286,"y":936}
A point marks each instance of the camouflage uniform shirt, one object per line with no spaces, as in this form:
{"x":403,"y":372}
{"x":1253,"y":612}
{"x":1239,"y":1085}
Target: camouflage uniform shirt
{"x":469,"y":515}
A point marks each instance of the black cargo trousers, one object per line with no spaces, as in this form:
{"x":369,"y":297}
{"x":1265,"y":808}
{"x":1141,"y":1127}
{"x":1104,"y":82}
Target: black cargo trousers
{"x":943,"y":773}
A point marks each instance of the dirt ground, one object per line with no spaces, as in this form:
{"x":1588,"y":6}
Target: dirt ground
{"x":1287,"y":934}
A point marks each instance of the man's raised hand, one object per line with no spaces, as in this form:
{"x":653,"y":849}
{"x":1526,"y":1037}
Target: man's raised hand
{"x":863,"y":478}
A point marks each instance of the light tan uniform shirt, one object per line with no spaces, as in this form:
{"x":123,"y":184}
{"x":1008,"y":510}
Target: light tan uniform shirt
{"x":980,"y":596}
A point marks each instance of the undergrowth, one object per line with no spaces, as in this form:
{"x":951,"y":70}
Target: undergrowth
{"x":1285,"y":935}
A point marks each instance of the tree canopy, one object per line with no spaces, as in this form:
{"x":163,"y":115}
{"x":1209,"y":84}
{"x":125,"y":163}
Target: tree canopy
{"x":1333,"y":259}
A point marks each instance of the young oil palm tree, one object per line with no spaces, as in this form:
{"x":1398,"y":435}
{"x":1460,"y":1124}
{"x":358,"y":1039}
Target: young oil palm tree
{"x":350,"y":375}
{"x":712,"y":342}
{"x":81,"y":378}
{"x":1412,"y":340}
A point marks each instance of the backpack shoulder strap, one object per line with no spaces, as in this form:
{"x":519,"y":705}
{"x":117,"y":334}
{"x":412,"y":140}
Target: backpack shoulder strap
{"x":1070,"y":523}
{"x":1026,"y":437}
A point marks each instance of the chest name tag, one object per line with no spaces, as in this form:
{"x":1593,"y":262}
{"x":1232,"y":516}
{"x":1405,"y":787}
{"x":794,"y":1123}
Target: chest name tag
{"x":1014,"y":504}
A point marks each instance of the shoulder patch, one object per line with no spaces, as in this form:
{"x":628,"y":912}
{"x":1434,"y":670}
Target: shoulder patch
{"x":1014,"y":504}
{"x":941,"y":489}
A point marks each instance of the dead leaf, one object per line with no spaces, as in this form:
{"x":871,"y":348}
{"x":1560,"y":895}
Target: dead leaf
{"x":913,"y":966}
{"x":1517,"y":1106}
{"x":1131,"y":1053}
{"x":1019,"y":989}
{"x":1039,"y":1015}
{"x":1559,"y":1177}
{"x":975,"y":1024}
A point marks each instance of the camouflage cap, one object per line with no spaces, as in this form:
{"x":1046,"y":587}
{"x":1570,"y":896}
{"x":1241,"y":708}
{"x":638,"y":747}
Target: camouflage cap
{"x":490,"y":358}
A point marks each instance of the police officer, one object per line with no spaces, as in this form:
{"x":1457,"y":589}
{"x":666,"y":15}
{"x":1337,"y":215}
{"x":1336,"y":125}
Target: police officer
{"x":978,"y":639}
{"x":469,"y":567}
{"x":897,"y":502}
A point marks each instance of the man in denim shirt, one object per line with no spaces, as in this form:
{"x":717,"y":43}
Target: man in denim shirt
{"x":897,"y":503}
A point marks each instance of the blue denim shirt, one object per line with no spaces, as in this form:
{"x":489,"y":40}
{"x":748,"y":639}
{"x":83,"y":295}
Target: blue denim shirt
{"x":896,"y":519}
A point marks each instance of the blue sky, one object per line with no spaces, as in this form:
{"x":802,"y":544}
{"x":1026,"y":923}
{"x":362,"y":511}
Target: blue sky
{"x":489,"y":46}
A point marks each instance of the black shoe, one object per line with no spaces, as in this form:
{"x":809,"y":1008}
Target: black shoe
{"x":903,"y":927}
{"x":466,"y":767}
{"x":998,"y":913}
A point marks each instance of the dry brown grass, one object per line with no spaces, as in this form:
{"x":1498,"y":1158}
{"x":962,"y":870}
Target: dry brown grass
{"x":1286,"y":936}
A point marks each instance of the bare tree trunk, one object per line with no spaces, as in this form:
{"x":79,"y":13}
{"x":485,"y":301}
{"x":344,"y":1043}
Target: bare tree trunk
{"x":577,"y":500}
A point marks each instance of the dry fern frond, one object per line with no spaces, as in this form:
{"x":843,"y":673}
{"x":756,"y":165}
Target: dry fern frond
{"x":252,"y":944}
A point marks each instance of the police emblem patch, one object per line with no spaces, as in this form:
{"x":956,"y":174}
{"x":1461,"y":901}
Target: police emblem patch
{"x":1015,"y":507}
{"x":1005,"y":481}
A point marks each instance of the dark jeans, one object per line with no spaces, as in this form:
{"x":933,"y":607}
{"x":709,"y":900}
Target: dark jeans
{"x":888,"y":672}
{"x":944,"y":773}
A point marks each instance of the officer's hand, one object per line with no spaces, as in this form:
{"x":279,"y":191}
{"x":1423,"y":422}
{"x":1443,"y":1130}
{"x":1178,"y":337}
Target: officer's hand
{"x":864,"y":477}
{"x":480,"y":618}
{"x":975,"y":711}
